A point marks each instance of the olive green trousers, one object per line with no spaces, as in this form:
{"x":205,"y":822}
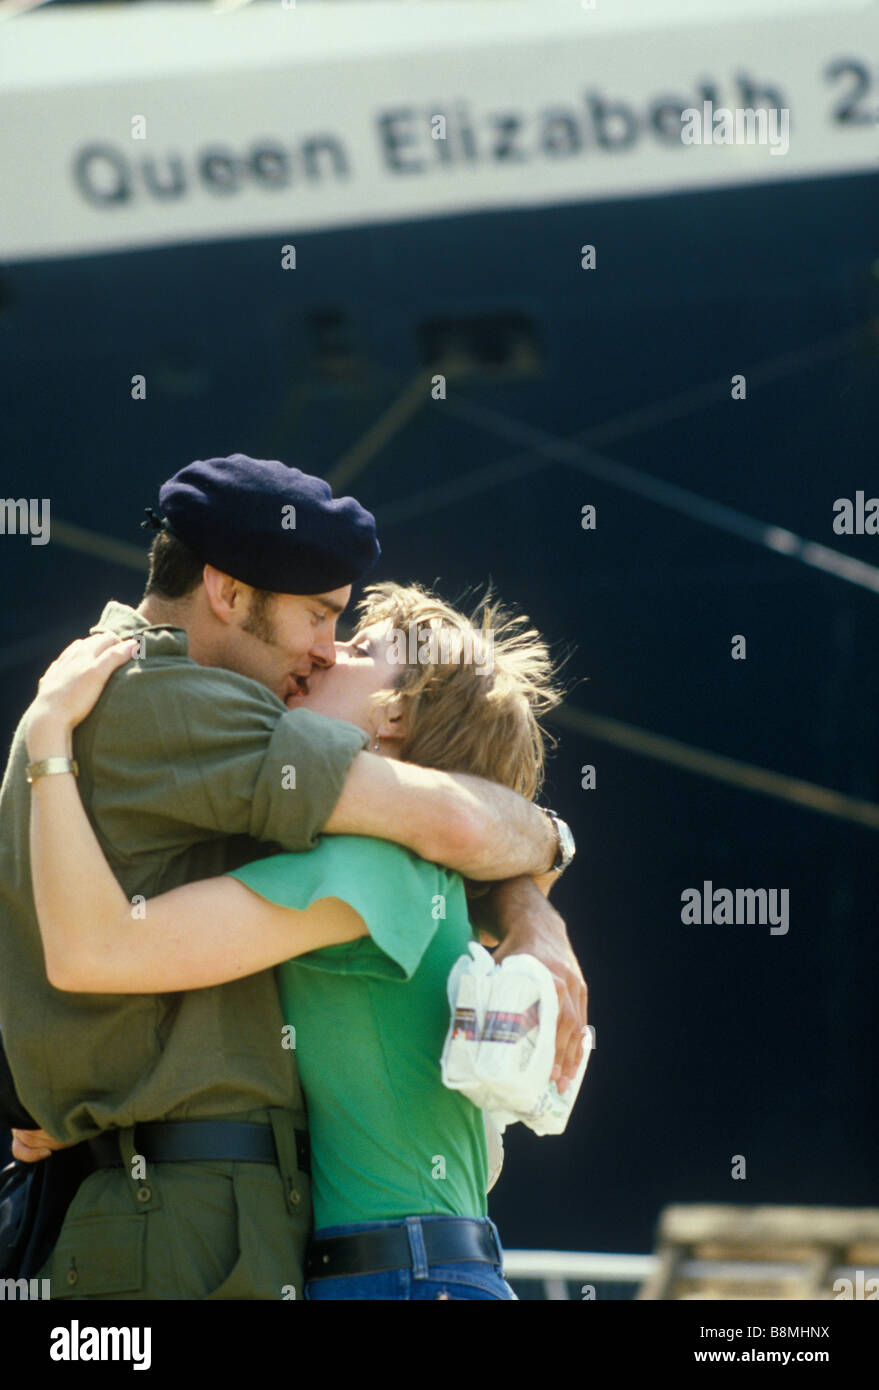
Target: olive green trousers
{"x":219,"y":1230}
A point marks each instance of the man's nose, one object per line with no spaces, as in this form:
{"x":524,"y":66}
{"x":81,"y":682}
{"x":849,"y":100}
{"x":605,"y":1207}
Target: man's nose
{"x":323,"y":652}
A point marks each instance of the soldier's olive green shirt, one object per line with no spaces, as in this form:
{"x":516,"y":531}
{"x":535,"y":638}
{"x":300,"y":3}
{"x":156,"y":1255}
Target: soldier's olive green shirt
{"x":185,"y":773}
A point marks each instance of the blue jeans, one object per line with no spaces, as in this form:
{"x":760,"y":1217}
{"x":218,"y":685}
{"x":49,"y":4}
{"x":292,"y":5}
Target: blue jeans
{"x":418,"y":1280}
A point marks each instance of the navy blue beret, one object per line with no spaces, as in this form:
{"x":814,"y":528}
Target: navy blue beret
{"x":268,"y":525}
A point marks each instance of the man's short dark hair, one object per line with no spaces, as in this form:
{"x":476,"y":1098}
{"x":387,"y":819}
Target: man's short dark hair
{"x":174,"y":570}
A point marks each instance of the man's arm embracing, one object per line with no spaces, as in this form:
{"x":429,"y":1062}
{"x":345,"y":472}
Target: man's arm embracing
{"x":480,"y":829}
{"x":234,"y":762}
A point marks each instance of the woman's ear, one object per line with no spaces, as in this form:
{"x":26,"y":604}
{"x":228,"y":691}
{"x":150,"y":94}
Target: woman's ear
{"x":393,"y":721}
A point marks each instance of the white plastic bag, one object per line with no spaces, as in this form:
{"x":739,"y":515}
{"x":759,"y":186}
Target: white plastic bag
{"x":500,"y":1046}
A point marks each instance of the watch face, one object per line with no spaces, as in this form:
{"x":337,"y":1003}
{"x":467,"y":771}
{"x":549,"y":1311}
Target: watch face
{"x":566,"y":846}
{"x":567,"y":841}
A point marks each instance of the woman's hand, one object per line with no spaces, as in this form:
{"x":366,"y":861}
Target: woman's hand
{"x":71,"y":687}
{"x":33,"y":1145}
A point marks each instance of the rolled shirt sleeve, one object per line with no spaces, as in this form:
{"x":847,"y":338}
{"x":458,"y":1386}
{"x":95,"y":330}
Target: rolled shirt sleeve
{"x":182,"y":746}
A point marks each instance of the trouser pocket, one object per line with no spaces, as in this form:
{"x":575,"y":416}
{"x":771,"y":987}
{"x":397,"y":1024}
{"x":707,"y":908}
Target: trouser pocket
{"x":213,"y":1233}
{"x":98,"y":1257}
{"x":273,"y":1233}
{"x":182,"y":1247}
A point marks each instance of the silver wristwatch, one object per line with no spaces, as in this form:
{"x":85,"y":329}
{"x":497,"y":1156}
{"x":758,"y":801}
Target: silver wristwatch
{"x":566,"y":847}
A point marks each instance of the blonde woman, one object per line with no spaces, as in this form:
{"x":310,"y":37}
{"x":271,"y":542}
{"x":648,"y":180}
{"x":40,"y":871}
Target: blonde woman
{"x":364,"y":934}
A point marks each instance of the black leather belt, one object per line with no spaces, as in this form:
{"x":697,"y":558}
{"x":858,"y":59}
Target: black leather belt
{"x":372,"y":1252}
{"x":199,"y":1141}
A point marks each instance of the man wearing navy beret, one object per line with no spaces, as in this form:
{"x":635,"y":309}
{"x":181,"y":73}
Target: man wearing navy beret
{"x":185,"y":1109}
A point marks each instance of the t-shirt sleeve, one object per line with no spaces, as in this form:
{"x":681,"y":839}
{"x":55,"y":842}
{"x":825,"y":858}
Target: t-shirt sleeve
{"x":185,"y":745}
{"x":402,"y":900}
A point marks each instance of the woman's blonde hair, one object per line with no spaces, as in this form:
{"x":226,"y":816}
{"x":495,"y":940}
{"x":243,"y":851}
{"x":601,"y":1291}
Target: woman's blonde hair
{"x":475,"y":687}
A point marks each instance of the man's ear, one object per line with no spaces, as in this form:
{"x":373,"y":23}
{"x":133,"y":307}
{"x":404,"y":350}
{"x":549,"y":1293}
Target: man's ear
{"x":226,"y":596}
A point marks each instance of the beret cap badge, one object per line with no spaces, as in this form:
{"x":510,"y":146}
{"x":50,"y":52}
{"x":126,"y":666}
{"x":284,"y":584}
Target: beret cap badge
{"x":158,"y":523}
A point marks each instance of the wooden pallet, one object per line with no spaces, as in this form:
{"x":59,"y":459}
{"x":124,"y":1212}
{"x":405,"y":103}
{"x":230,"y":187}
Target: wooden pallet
{"x":782,"y":1252}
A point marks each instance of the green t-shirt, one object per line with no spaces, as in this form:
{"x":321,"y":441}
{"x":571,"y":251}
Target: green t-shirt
{"x":388,"y":1139}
